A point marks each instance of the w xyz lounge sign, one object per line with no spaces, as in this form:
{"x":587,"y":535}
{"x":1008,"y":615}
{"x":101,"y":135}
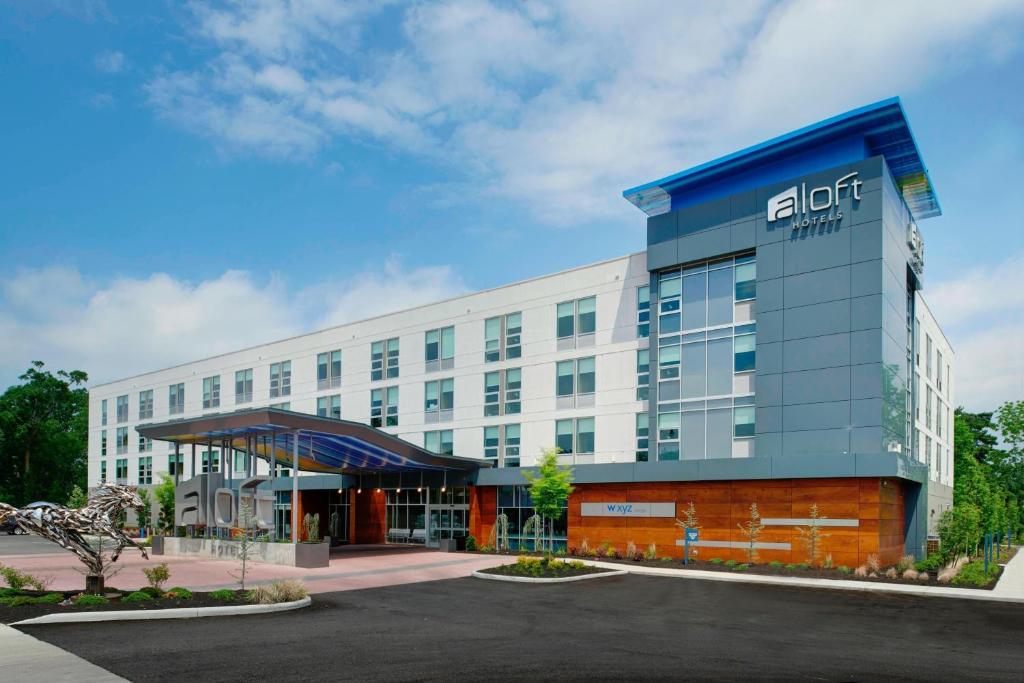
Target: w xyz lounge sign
{"x":628,"y":509}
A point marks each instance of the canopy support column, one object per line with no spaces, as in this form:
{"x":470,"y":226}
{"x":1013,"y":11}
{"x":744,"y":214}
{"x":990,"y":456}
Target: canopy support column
{"x":177,"y":462}
{"x":295,"y":488}
{"x":193,"y":460}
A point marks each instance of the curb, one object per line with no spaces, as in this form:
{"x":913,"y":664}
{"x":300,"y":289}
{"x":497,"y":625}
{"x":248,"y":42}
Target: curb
{"x":174,"y":613}
{"x":560,"y":579}
{"x":828,"y":584}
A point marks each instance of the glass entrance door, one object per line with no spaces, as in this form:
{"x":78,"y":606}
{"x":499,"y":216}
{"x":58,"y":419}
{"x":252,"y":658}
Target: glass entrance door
{"x":445,"y":522}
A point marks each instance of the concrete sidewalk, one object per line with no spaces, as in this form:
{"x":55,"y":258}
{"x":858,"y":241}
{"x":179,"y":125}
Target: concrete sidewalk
{"x":28,"y":660}
{"x":1009,"y":589}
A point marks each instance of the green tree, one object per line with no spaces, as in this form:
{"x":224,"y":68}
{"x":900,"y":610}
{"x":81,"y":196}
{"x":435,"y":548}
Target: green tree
{"x":146,"y":513}
{"x":43,"y":435}
{"x":959,"y":529}
{"x":77,"y":499}
{"x":550,"y":488}
{"x":980,"y":434}
{"x":164,"y":492}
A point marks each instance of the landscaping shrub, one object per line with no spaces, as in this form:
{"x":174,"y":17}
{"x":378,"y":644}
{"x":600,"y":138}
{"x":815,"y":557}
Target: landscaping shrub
{"x":50,"y":599}
{"x":157,"y":576}
{"x":279,"y":591}
{"x":931,"y":563}
{"x":487,"y":548}
{"x":891,"y":573}
{"x":138,"y":596}
{"x":843,"y":569}
{"x":88,"y":600}
{"x":741,"y":567}
{"x":861,"y":570}
{"x":155,"y":592}
{"x":9,"y":592}
{"x":775,"y":564}
{"x":631,"y":549}
{"x":804,"y":565}
{"x":225,"y":594}
{"x":910,"y":574}
{"x":873,"y":564}
{"x":179,"y":593}
{"x":17,"y":579}
{"x":905,"y":563}
{"x":791,"y":566}
{"x":731,"y":563}
{"x":652,"y":553}
{"x":973,"y":574}
{"x":716,"y":560}
{"x":470,"y":542}
{"x":18,"y":601}
{"x":666,"y":559}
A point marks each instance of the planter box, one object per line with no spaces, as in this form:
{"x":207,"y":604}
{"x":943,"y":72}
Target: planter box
{"x":307,"y":555}
{"x":157,"y":547}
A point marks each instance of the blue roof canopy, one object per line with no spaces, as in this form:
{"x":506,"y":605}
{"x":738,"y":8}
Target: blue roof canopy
{"x":879,"y":129}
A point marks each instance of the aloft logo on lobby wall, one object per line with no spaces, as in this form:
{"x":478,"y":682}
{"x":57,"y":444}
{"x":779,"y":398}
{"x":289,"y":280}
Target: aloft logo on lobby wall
{"x":797,"y":203}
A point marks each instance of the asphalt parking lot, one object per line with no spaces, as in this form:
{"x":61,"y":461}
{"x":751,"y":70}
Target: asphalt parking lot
{"x":29,"y":544}
{"x":632,"y":627}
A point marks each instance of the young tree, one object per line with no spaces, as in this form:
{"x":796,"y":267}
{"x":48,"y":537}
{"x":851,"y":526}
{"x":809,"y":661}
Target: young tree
{"x":146,"y":513}
{"x":689,"y":521}
{"x":549,"y":488}
{"x":246,"y":543}
{"x":752,"y":530}
{"x":77,"y":498}
{"x":164,"y":493}
{"x":813,"y":535}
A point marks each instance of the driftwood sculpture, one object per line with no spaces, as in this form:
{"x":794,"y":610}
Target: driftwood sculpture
{"x":68,"y":528}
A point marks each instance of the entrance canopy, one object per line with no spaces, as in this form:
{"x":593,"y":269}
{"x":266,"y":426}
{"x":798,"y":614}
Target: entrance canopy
{"x":325,"y":444}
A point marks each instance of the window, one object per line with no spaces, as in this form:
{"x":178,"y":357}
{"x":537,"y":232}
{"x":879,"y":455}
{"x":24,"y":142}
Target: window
{"x":239,"y":460}
{"x":146,"y":404}
{"x":642,"y":441}
{"x":928,"y":407}
{"x":928,"y":356}
{"x":329,"y":406}
{"x":511,"y":458}
{"x":103,"y":471}
{"x":121,"y":470}
{"x":498,"y":401}
{"x":287,"y":405}
{"x":439,"y":399}
{"x":384,"y":359}
{"x":938,"y":370}
{"x":492,"y":442}
{"x":103,"y":442}
{"x":211,"y":461}
{"x":577,"y":317}
{"x":211,"y":392}
{"x":746,"y":279}
{"x":328,"y":370}
{"x":575,"y":436}
{"x":103,"y":412}
{"x":743,"y":421}
{"x":439,"y":348}
{"x":745,"y":352}
{"x":565,"y":378}
{"x":146,"y":469}
{"x":382,"y":414}
{"x":643,"y":374}
{"x":145,"y":444}
{"x":175,"y":464}
{"x":243,"y":386}
{"x":122,"y":408}
{"x":439,"y":442}
{"x":643,"y":311}
{"x":121,"y":444}
{"x":281,"y":379}
{"x":176,"y":399}
{"x":503,"y":337}
{"x":575,"y":377}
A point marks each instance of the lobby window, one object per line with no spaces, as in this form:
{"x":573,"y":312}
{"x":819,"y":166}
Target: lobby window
{"x":576,"y":319}
{"x":329,"y":406}
{"x":146,"y":469}
{"x":103,"y":442}
{"x":145,"y":445}
{"x":643,"y":311}
{"x":211,"y":461}
{"x":575,"y":382}
{"x":122,"y":408}
{"x":239,"y":460}
{"x":492,"y":442}
{"x":121,"y":442}
{"x":643,"y":374}
{"x":243,"y":386}
{"x":384,"y":407}
{"x":103,"y":471}
{"x":211,"y":392}
{"x":575,"y":437}
{"x":384,"y":359}
{"x":146,"y":404}
{"x":743,"y":421}
{"x":328,"y":370}
{"x":439,"y":400}
{"x":121,"y":470}
{"x":439,"y":349}
{"x":175,"y":464}
{"x":103,"y":412}
{"x":280,"y":379}
{"x":642,"y":440}
{"x":512,"y":438}
{"x":503,"y":337}
{"x":285,"y":405}
{"x":176,"y":398}
{"x":440,"y":442}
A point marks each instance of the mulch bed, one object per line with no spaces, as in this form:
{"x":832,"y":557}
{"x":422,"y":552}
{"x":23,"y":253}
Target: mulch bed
{"x":10,"y":614}
{"x":511,"y":570}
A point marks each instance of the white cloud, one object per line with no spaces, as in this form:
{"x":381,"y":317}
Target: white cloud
{"x":110,"y":62}
{"x":128,"y":325}
{"x":560,"y":105}
{"x":982,"y":312}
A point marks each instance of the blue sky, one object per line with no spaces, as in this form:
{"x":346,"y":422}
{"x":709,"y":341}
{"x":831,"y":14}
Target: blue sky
{"x":173,"y":170}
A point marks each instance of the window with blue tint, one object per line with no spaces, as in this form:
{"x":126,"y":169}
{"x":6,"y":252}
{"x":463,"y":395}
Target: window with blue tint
{"x":643,"y":376}
{"x":513,"y":335}
{"x":439,"y":442}
{"x":447,"y":394}
{"x":585,"y":435}
{"x":694,"y":372}
{"x":720,"y":366}
{"x":692,"y":432}
{"x":492,"y":393}
{"x":563,"y":435}
{"x":643,"y":311}
{"x":695,"y":301}
{"x":585,"y":376}
{"x":719,"y":433}
{"x":743,"y":421}
{"x":669,"y":302}
{"x":668,"y":427}
{"x":720,"y":304}
{"x":492,"y":340}
{"x":391,"y":410}
{"x":642,"y":437}
{"x":745,"y":351}
{"x":511,"y":446}
{"x":491,"y":442}
{"x":565,"y":380}
{"x":668,"y":362}
{"x":668,"y":390}
{"x":513,"y":390}
{"x":566,"y":319}
{"x":746,"y":281}
{"x":668,"y":451}
{"x":587,"y":315}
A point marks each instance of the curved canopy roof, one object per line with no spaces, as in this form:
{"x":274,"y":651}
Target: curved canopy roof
{"x":325,"y":444}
